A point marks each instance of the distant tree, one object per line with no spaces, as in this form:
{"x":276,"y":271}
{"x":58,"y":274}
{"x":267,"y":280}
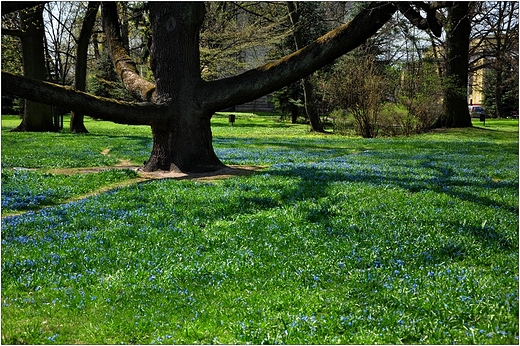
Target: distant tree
{"x":37,"y":117}
{"x":458,"y":28}
{"x":494,"y":48}
{"x":60,"y":20}
{"x":504,"y":103}
{"x":80,"y":76}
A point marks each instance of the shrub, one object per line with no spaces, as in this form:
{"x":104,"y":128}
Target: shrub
{"x":343,"y":125}
{"x":420,"y":92}
{"x":357,"y":85}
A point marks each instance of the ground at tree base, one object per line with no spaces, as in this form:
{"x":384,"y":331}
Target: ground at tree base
{"x":223,"y":173}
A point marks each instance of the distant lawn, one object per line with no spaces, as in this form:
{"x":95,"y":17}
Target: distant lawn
{"x":338,"y":240}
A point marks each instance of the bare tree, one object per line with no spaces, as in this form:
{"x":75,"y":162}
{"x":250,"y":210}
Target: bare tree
{"x":494,"y":45}
{"x":80,"y":76}
{"x":458,"y":28}
{"x":60,"y":43}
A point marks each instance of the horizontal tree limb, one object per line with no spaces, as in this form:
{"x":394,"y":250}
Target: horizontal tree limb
{"x":220,"y":94}
{"x":143,"y":113}
{"x":11,"y":6}
{"x":13,"y":32}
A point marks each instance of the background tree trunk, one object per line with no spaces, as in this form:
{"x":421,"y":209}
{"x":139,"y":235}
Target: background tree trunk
{"x":37,"y":117}
{"x":308,"y":94}
{"x":456,"y":113}
{"x":80,"y":78}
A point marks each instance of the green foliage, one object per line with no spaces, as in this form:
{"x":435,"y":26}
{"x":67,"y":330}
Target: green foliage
{"x":420,"y":92}
{"x":336,"y":241}
{"x":288,"y":101}
{"x":11,"y":48}
{"x":357,"y":85}
{"x":103,"y":81}
{"x":508,"y":93}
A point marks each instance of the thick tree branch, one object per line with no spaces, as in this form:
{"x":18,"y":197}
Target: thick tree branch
{"x":82,"y":49}
{"x":11,"y":6}
{"x":125,"y":67}
{"x":78,"y":101}
{"x":14,"y":32}
{"x":220,"y":94}
{"x":430,"y":22}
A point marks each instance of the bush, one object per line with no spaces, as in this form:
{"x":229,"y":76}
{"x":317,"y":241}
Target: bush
{"x":395,"y":120}
{"x":343,"y":125}
{"x":357,"y":84}
{"x":420,"y":92}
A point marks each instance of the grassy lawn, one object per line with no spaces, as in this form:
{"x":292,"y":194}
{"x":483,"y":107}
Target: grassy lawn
{"x":337,"y":240}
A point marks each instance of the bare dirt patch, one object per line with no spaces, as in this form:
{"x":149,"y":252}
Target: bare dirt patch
{"x":224,"y":173}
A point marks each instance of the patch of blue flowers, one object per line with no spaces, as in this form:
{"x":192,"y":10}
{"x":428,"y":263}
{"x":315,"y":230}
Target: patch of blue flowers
{"x":365,"y":246}
{"x":28,"y":190}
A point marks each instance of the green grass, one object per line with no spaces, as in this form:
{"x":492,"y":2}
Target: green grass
{"x":338,"y":240}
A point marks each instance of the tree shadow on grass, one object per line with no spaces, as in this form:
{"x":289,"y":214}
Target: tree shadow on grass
{"x":440,"y":184}
{"x":314,"y":184}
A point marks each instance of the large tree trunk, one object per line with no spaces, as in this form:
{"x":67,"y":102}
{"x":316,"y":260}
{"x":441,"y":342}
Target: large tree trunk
{"x":184,"y":145}
{"x":80,"y":77}
{"x":456,"y":113}
{"x":37,"y":117}
{"x":185,"y":142}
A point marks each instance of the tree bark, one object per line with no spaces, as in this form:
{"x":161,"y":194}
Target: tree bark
{"x":37,"y":117}
{"x":138,"y":87}
{"x":80,"y":77}
{"x":185,"y":142}
{"x":456,"y":113}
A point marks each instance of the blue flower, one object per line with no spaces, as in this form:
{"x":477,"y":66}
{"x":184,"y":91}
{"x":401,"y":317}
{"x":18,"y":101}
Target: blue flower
{"x":53,"y":338}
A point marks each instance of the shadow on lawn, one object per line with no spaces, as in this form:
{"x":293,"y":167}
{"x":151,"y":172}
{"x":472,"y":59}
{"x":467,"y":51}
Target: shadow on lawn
{"x":309,"y":188}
